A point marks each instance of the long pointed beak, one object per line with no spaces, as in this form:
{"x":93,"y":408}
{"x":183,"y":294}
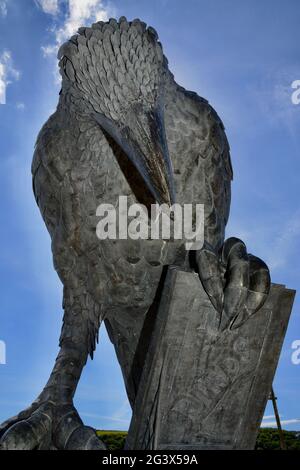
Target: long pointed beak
{"x":143,"y":140}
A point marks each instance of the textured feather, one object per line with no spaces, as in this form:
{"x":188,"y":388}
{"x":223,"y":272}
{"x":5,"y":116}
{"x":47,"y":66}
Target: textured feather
{"x":118,"y":48}
{"x":108,"y":68}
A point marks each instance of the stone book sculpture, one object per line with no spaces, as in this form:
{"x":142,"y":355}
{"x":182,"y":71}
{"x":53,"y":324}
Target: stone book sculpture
{"x":124,"y":127}
{"x":203,"y":388}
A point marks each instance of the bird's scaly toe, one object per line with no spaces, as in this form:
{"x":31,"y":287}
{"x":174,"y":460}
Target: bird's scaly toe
{"x":49,"y":427}
{"x":236,"y":282}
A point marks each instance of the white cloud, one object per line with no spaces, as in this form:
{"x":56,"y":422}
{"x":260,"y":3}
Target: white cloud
{"x":8,"y":74}
{"x":67,"y":20}
{"x":48,"y":6}
{"x":105,"y":418}
{"x":284,"y":422}
{"x":79,"y":13}
{"x":3,"y":8}
{"x":49,"y":50}
{"x":270,"y":417}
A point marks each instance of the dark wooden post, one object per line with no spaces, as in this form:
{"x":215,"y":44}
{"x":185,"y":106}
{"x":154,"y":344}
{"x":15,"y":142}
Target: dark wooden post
{"x":281,"y":435}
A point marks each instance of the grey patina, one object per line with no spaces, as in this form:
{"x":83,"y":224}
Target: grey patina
{"x":203,"y":388}
{"x":123,"y":126}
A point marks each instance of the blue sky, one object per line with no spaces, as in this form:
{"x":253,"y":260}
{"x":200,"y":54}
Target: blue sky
{"x":243,"y":58}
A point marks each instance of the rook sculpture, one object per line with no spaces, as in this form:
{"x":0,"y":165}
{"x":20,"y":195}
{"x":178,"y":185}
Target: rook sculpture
{"x":123,"y":126}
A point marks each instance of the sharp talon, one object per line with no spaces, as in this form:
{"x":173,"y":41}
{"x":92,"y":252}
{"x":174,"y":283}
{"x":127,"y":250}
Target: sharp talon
{"x":235,"y":258}
{"x":26,"y":434}
{"x":233,"y":248}
{"x":50,"y":427}
{"x":234,"y":300}
{"x":214,"y":289}
{"x":260,"y":280}
{"x":259,"y":288}
{"x":23,"y":415}
{"x":210,"y":275}
{"x":20,"y":436}
{"x":84,"y":438}
{"x":246,"y":279}
{"x":66,"y":426}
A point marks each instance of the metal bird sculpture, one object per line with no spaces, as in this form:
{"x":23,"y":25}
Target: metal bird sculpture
{"x":123,"y":126}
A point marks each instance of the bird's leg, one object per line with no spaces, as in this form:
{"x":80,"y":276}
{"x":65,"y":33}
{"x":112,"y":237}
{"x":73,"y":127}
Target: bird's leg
{"x":52,"y":420}
{"x":236,"y":282}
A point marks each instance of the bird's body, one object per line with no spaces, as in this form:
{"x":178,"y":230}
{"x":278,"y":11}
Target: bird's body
{"x":124,"y":127}
{"x":75,"y":169}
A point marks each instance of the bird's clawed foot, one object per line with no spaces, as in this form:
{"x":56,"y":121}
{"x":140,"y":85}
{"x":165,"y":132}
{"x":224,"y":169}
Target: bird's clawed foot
{"x":236,"y":282}
{"x":49,"y":426}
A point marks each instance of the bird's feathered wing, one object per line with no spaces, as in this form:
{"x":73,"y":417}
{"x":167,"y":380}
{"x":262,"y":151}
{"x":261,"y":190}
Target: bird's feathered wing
{"x":74,"y":168}
{"x":201,"y":158}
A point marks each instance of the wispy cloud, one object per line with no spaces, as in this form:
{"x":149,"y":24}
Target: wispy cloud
{"x":48,"y":6}
{"x":269,"y":421}
{"x":122,"y":416}
{"x":105,"y":418}
{"x":3,"y":8}
{"x":270,"y":417}
{"x":68,"y":16}
{"x":49,"y":50}
{"x":284,"y":422}
{"x":78,"y":13}
{"x":123,"y":413}
{"x":8,"y":74}
{"x":273,"y":97}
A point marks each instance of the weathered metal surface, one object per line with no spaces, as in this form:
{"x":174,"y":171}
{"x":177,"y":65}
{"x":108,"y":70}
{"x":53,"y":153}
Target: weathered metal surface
{"x":124,"y":127}
{"x":203,"y":388}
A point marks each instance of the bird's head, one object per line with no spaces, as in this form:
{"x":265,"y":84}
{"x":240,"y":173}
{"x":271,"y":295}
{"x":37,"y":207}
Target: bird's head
{"x":116,"y":73}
